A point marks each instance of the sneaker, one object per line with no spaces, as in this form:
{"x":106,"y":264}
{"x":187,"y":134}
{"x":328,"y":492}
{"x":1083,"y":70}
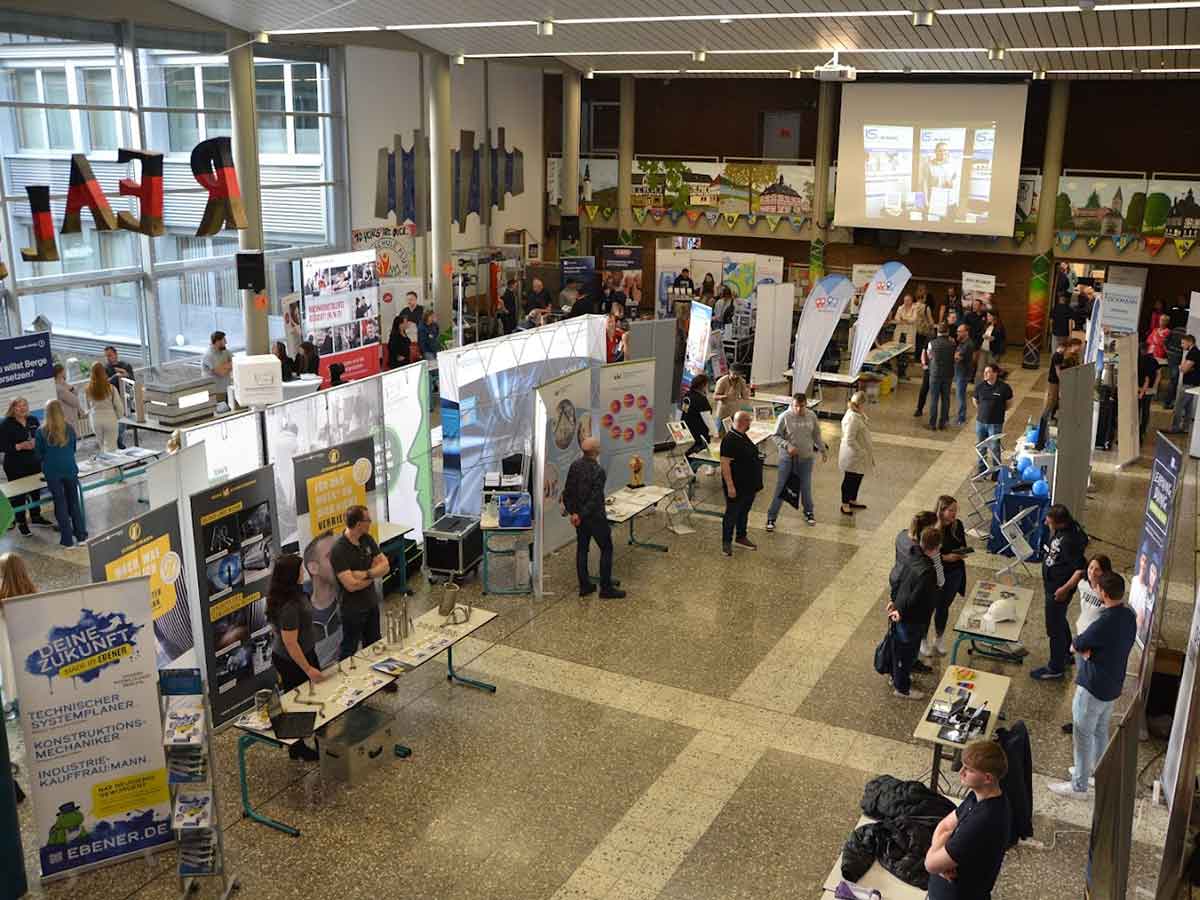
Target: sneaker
{"x":587,"y":591}
{"x":925,"y":650}
{"x":1045,"y":673}
{"x":913,"y":694}
{"x":939,"y":646}
{"x":770,"y":526}
{"x":612,"y":594}
{"x":1069,"y":728}
{"x":727,"y":549}
{"x":920,"y":668}
{"x":24,"y":529}
{"x":746,"y":542}
{"x":918,"y":413}
{"x":808,"y":518}
{"x":1066,"y":789}
{"x":1091,"y":780}
{"x":854,"y":505}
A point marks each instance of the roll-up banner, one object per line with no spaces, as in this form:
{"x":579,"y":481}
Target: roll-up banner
{"x":621,"y":269}
{"x":340,"y":311}
{"x":697,"y":348}
{"x":625,"y":407}
{"x":1183,"y":719}
{"x":90,"y":716}
{"x":236,"y":533}
{"x":1153,"y":559}
{"x":668,"y":265}
{"x":27,"y":370}
{"x":581,"y":269}
{"x":1122,"y":306}
{"x":150,"y":545}
{"x":882,"y":290}
{"x":822,"y":310}
{"x":330,"y":481}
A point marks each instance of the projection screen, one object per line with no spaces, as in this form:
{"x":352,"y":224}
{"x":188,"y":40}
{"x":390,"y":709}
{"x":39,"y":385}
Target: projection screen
{"x":941,"y":158}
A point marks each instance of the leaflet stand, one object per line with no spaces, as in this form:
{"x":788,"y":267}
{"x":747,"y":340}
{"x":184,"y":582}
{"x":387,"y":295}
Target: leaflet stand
{"x":1017,"y":544}
{"x":981,"y":492}
{"x":681,"y":478}
{"x":191,"y":778}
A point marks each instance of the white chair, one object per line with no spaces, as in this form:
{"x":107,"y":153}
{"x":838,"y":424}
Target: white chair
{"x":980,"y":489}
{"x":1017,"y":541}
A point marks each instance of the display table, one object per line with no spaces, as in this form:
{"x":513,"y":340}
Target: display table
{"x":301,"y":386}
{"x":626,"y":504}
{"x":877,"y":877}
{"x":885,"y":353}
{"x":489,"y":524}
{"x":969,"y":626}
{"x":989,"y":688}
{"x":344,"y":688}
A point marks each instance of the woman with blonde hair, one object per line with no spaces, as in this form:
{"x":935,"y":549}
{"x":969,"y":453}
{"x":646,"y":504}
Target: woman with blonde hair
{"x":107,"y":408}
{"x":20,"y":459}
{"x":856,"y":456}
{"x":56,"y":447}
{"x":14,"y":582}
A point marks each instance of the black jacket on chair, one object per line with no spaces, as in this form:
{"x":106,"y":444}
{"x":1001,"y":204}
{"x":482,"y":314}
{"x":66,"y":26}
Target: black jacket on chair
{"x":1018,"y":783}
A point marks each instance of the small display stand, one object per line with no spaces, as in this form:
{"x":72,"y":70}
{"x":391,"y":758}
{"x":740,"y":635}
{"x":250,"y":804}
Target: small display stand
{"x":187,"y":733}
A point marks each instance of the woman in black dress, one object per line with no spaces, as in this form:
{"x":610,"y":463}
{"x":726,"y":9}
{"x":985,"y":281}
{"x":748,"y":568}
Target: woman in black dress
{"x":695,"y":402}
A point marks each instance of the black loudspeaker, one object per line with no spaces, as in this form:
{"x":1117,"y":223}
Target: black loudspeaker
{"x":251,"y":271}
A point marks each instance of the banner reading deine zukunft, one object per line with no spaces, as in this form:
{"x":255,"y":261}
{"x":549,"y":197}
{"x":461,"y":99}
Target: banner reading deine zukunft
{"x":86,"y":676}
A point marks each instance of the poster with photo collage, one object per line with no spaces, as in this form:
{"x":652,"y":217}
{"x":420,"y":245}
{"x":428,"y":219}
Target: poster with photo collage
{"x":236,"y":538}
{"x":340,"y":312}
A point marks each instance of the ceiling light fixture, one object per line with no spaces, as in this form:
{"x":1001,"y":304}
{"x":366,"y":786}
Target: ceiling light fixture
{"x":922,"y":18}
{"x":996,"y":54}
{"x":590,"y":74}
{"x":1089,"y":71}
{"x":1131,"y":48}
{"x":1177,"y":71}
{"x":787,"y":72}
{"x":1039,"y":75}
{"x":638,"y":72}
{"x":797,"y":73}
{"x":445,"y":26}
{"x":699,"y":56}
{"x":545,"y":28}
{"x":460,"y":60}
{"x":724,"y":20}
{"x":1086,"y":5}
{"x":261,"y":37}
{"x":344,"y":30}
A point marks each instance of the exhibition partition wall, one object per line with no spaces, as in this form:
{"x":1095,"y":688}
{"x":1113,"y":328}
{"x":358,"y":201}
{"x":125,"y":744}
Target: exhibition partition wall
{"x":409,"y":453}
{"x":768,"y":270}
{"x":1181,"y":757}
{"x":1073,"y":463}
{"x":233,"y":445}
{"x":563,"y":418}
{"x":90,"y":717}
{"x":707,"y":262}
{"x":1111,"y":837}
{"x":772,"y":332}
{"x":330,"y":481}
{"x":151,"y":545}
{"x":668,"y":264}
{"x":655,"y":339}
{"x":487,"y":394}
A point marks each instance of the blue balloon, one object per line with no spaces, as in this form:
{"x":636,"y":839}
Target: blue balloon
{"x":1030,"y":472}
{"x":1023,"y":459}
{"x":1041,"y":488}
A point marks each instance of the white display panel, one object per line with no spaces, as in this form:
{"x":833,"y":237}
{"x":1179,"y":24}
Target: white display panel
{"x":409,"y":454}
{"x":232,"y":446}
{"x":943,"y":158}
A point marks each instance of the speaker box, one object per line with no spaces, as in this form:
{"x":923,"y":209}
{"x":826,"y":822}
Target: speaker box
{"x":251,"y":271}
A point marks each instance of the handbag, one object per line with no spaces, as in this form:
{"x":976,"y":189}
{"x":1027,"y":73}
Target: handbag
{"x":791,"y":491}
{"x":885,"y":653}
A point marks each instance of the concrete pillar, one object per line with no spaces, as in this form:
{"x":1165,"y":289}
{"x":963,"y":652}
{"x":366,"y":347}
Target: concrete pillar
{"x":1041,"y":281}
{"x":245,"y":158}
{"x":826,"y":112}
{"x":625,"y":153}
{"x":572,"y":106}
{"x":440,"y":177}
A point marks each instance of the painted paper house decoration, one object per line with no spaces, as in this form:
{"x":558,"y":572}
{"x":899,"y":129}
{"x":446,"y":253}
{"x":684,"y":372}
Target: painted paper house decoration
{"x":1183,"y":221}
{"x":701,"y":189}
{"x":782,"y":199}
{"x":735,"y":198}
{"x":1094,"y":218}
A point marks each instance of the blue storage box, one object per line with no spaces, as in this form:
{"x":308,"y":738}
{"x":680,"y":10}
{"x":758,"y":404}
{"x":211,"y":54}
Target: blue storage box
{"x":516,"y":510}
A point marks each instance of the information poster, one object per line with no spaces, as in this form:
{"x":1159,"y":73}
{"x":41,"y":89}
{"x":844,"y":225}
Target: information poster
{"x":625,"y":408}
{"x":27,"y":370}
{"x":621,"y":269}
{"x":409,"y":456}
{"x":236,"y":535}
{"x":822,"y":310}
{"x":330,"y":481}
{"x":581,"y":269}
{"x":94,"y":758}
{"x":974,"y":283}
{"x":150,"y":545}
{"x":695,"y":353}
{"x":737,"y":273}
{"x":768,"y":270}
{"x":340,"y":312}
{"x":669,"y":264}
{"x":563,"y":419}
{"x":1122,"y":305}
{"x":883,"y":288}
{"x":1149,"y":577}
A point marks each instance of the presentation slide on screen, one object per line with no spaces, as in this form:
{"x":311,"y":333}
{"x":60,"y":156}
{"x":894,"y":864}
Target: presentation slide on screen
{"x":942,"y":158}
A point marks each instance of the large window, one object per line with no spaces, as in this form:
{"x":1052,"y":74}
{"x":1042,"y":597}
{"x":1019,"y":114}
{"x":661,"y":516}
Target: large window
{"x":157,"y":298}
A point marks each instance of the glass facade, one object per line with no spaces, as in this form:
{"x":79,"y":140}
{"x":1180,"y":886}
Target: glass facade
{"x":157,"y":298}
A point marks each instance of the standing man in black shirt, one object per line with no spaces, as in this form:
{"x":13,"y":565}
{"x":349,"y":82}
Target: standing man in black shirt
{"x":583,"y":499}
{"x":511,"y":299}
{"x":538,"y":297}
{"x":1064,"y":565}
{"x":1060,"y":320}
{"x":1148,"y":374}
{"x":913,"y":607}
{"x":964,"y":366}
{"x":1185,"y":403}
{"x":938,"y":357}
{"x":741,"y":479}
{"x":992,"y":399}
{"x":684,"y":281}
{"x":357,"y":561}
{"x":968,"y":845}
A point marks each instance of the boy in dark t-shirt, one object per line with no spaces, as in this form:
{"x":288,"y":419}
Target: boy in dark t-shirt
{"x":968,"y":845}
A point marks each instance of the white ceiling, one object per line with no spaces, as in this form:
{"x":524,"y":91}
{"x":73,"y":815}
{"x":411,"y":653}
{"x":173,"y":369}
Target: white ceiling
{"x":605,"y":47}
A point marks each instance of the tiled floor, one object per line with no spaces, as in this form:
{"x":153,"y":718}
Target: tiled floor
{"x":707,"y":737}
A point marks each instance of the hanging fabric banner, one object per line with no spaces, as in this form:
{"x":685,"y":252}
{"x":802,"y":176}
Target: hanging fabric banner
{"x":607,"y":212}
{"x":731,"y":220}
{"x":797,"y":222}
{"x":1154,"y":244}
{"x":674,"y":216}
{"x":773,"y":221}
{"x":1092,"y":242}
{"x":712,"y":217}
{"x":752,"y":219}
{"x":693,"y":215}
{"x":1121,"y":241}
{"x":590,"y":210}
{"x":657,"y":213}
{"x":1066,"y":238}
{"x":881,"y":294}
{"x":1183,"y":246}
{"x":639,"y":214}
{"x":822,"y":310}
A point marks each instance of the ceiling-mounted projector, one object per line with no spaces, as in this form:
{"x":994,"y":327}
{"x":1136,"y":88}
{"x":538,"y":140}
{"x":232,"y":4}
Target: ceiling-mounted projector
{"x":834,"y":71}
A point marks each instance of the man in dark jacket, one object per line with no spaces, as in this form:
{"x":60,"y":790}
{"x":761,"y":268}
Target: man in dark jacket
{"x":583,"y":499}
{"x":912,"y":609}
{"x":939,"y":360}
{"x":1063,"y":567}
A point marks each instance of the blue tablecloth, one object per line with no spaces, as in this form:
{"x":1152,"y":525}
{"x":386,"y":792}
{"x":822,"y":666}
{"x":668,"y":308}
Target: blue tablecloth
{"x":1010,"y":500}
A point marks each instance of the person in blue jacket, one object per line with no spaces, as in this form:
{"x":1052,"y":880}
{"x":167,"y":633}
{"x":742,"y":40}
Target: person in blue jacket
{"x":55,"y":447}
